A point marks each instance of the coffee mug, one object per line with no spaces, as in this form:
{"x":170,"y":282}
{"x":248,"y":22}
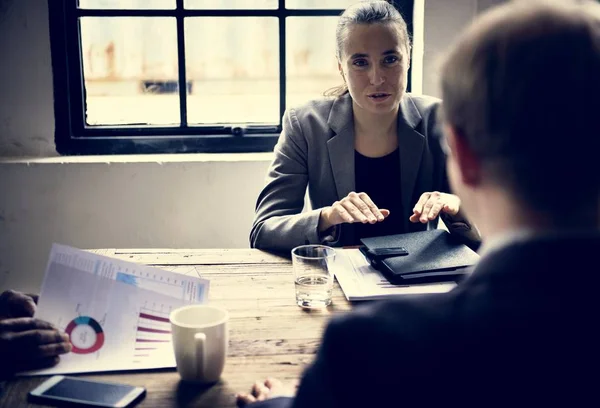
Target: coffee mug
{"x":200,"y":340}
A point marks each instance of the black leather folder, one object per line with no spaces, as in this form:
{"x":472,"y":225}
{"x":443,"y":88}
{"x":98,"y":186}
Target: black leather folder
{"x":419,"y":257}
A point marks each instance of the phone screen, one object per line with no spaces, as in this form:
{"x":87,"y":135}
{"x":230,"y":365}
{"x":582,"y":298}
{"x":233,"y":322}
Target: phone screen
{"x":82,"y":390}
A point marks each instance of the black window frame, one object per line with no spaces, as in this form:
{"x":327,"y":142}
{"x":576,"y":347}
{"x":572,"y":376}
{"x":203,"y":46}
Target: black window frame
{"x":74,"y":138}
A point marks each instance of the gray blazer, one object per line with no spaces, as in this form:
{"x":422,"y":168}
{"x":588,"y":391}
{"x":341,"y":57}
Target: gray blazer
{"x":316,"y":149}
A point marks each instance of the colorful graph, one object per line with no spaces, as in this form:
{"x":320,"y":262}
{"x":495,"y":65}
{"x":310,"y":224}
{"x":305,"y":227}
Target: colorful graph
{"x":153,"y":335}
{"x":177,"y":286}
{"x":114,"y":322}
{"x":85,"y":334}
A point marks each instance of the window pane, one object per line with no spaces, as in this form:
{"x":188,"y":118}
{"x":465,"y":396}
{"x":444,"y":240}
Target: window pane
{"x":130,"y":70}
{"x":233,"y":65}
{"x":230,"y":4}
{"x":127,"y":4}
{"x":311,"y":63}
{"x":318,"y":4}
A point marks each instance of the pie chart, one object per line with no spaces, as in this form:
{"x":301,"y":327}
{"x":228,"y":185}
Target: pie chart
{"x":85,"y":334}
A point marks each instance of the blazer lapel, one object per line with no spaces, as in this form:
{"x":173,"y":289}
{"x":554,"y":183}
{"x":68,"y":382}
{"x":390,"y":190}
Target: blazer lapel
{"x":341,"y":149}
{"x":410,"y":145}
{"x":341,"y":145}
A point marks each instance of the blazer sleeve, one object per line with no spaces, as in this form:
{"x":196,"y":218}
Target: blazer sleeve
{"x":350,"y":350}
{"x":324,"y":383}
{"x":279,"y":223}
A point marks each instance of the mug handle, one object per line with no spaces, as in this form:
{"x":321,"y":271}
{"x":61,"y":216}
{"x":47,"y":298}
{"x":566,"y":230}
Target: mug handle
{"x":200,"y":340}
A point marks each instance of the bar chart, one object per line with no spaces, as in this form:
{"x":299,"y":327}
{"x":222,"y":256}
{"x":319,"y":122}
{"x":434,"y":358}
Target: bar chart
{"x":153,"y":336}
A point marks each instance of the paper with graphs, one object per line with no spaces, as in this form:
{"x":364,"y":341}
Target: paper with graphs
{"x":116,"y":313}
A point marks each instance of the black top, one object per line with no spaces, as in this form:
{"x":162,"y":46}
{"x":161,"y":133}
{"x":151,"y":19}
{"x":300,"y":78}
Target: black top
{"x":379,"y":177}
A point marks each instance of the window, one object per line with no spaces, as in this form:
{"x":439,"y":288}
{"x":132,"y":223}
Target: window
{"x":120,"y":67}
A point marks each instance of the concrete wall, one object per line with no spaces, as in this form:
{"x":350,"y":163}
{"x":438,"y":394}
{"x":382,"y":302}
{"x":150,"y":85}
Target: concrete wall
{"x":197,"y":203}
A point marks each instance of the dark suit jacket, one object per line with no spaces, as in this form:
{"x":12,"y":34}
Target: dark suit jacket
{"x":316,"y":149}
{"x":520,"y":331}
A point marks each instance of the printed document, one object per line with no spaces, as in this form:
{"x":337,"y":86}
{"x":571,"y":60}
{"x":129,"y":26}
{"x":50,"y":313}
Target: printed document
{"x":116,"y":313}
{"x":360,"y":281}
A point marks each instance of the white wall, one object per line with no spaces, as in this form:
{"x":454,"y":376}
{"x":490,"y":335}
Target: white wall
{"x":183,"y":201}
{"x":192,"y":204}
{"x":483,"y":5}
{"x":26,"y":104}
{"x":443,"y":19}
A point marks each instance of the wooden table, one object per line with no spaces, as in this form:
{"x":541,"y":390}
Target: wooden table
{"x":269,"y":334}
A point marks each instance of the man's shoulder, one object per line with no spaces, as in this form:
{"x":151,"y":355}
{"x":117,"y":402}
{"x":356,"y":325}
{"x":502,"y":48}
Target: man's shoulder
{"x":550,"y":258}
{"x":400,"y":321}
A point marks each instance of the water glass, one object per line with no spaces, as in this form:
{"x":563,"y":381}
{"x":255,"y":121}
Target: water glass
{"x":313,"y":279}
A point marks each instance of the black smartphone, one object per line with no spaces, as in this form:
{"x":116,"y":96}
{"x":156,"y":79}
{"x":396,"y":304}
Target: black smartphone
{"x":70,"y":391}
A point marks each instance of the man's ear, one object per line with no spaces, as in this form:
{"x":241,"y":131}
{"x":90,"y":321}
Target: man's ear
{"x":465,"y":160}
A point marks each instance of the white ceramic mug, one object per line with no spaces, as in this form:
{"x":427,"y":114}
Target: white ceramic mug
{"x":200,"y":340}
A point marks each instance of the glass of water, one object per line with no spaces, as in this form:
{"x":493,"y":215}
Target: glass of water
{"x":313,"y":279}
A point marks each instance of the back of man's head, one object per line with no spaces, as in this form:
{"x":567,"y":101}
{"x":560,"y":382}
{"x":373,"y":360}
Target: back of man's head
{"x":522,"y":88}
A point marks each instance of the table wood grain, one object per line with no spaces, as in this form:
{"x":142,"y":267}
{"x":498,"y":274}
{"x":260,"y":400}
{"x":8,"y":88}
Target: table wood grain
{"x":269,"y":334}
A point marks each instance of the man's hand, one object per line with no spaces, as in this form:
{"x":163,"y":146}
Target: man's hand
{"x":27,"y":343}
{"x":264,"y":390}
{"x":355,"y":207}
{"x":430,"y":205}
{"x":16,"y":304}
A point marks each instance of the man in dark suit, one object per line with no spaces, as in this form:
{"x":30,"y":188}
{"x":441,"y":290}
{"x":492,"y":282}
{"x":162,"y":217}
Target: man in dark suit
{"x":520,"y":92}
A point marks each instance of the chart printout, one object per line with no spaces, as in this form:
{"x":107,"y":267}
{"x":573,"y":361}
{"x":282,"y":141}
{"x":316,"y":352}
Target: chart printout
{"x":116,"y":313}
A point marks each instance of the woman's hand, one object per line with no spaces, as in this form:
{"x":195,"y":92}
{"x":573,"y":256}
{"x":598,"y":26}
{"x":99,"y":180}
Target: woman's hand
{"x":430,"y":205}
{"x":355,"y":207}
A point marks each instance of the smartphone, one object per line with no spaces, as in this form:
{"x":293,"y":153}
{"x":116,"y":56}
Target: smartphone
{"x":70,"y":391}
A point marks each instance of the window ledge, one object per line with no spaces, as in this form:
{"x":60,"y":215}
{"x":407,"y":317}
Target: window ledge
{"x":144,"y":158}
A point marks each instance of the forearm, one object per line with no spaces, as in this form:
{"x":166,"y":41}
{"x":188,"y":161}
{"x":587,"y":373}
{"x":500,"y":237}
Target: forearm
{"x":324,"y":222}
{"x":282,"y":233}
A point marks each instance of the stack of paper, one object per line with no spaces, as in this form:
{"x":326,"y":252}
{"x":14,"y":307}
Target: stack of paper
{"x":116,"y":313}
{"x":360,"y":281}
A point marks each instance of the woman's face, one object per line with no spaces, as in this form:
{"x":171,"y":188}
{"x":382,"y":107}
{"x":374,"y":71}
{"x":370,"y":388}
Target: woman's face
{"x":375,"y":65}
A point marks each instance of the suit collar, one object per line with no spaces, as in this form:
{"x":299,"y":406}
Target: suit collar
{"x":341,"y":116}
{"x":409,"y":112}
{"x":531,"y":253}
{"x":410,"y":144}
{"x":341,"y":147}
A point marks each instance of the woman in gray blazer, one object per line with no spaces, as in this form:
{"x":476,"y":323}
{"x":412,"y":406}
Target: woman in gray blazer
{"x":370,"y":154}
